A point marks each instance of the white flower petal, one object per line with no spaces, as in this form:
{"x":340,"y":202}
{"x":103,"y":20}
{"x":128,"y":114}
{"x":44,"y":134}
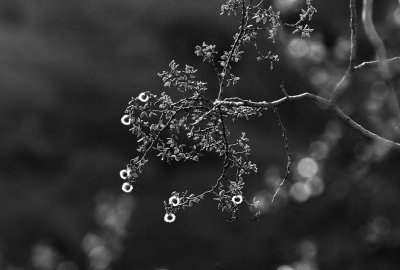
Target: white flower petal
{"x":143,"y":97}
{"x":174,"y":200}
{"x":124,"y":173}
{"x":126,"y":120}
{"x":169,"y":217}
{"x":237,"y":199}
{"x":127,"y":187}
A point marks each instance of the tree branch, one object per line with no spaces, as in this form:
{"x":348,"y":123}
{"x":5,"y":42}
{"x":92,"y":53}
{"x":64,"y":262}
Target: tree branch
{"x":339,"y":88}
{"x":289,"y":156}
{"x":236,"y":102}
{"x":225,"y":72}
{"x":373,"y":63}
{"x":374,"y":38}
{"x":380,"y":51}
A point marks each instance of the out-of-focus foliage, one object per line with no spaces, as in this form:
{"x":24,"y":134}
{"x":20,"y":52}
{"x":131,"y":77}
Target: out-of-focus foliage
{"x":68,"y":67}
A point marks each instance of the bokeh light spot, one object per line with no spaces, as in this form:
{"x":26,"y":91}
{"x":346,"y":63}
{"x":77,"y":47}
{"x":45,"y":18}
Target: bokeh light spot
{"x":298,"y":48}
{"x":304,"y":265}
{"x":333,"y":131}
{"x":307,"y":167}
{"x":342,"y":48}
{"x":317,"y":51}
{"x":316,"y":185}
{"x":67,"y":266}
{"x":379,"y":91}
{"x":264,"y":198}
{"x":285,"y":267}
{"x":318,"y":77}
{"x":382,"y":225}
{"x":318,"y":150}
{"x":300,"y":192}
{"x":44,"y":256}
{"x":307,"y":249}
{"x":396,"y":16}
{"x":284,"y":5}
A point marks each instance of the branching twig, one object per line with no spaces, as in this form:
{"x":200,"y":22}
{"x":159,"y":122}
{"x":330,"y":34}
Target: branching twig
{"x":236,"y":44}
{"x":374,"y":38}
{"x":339,"y":113}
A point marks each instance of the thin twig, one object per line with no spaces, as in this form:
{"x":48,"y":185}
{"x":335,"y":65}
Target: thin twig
{"x":373,"y":37}
{"x":289,"y":157}
{"x":339,"y":88}
{"x":282,"y":86}
{"x":373,"y":63}
{"x":380,"y":51}
{"x":225,"y":72}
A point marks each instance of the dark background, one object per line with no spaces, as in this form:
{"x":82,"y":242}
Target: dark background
{"x":67,"y":72}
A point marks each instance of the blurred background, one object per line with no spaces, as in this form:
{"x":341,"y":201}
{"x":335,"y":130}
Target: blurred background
{"x":68,"y":70}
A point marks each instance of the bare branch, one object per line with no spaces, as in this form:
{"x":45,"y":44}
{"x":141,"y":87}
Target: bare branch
{"x":289,"y":156}
{"x":373,"y":63}
{"x":353,"y":34}
{"x":380,"y":51}
{"x":339,"y":88}
{"x":282,"y":86}
{"x":329,"y":104}
{"x":374,"y":38}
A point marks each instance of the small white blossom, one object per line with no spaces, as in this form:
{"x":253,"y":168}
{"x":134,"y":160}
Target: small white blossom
{"x":237,"y":199}
{"x":174,"y":200}
{"x":126,"y":120}
{"x":169,"y":217}
{"x":127,"y":187}
{"x":143,"y":97}
{"x":124,"y":173}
